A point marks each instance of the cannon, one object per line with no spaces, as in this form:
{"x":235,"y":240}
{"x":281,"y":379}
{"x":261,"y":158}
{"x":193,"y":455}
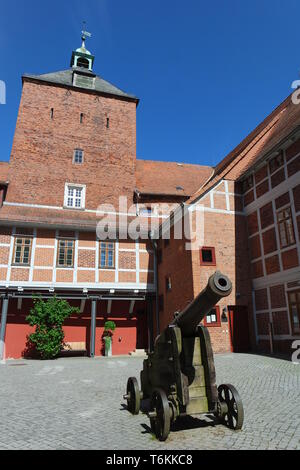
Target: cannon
{"x":178,"y":378}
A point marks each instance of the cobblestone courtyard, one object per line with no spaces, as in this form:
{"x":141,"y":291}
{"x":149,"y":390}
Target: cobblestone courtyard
{"x":77,"y":403}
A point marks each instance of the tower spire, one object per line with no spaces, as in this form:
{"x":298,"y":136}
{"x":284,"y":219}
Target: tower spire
{"x":84,"y":35}
{"x":82,"y":57}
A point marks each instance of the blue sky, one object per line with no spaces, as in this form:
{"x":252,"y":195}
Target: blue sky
{"x":206,"y":72}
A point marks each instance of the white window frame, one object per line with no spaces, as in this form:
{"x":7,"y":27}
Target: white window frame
{"x":74,"y":154}
{"x":83,"y":193}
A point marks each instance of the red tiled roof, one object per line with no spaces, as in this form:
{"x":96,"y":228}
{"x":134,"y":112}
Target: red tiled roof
{"x":277,"y":126}
{"x":165,"y":178}
{"x":62,"y":218}
{"x":4,"y":169}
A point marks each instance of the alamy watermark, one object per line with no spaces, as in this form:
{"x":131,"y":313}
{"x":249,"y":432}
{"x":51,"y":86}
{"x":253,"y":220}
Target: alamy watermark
{"x":296,"y":354}
{"x":185,"y":222}
{"x":2,"y":92}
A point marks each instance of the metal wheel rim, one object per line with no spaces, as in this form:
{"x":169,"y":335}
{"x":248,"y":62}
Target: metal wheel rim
{"x":134,"y":398}
{"x":234,"y":417}
{"x":162,"y":422}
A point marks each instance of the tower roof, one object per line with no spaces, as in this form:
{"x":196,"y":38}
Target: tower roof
{"x":81,"y":75}
{"x":65,"y":78}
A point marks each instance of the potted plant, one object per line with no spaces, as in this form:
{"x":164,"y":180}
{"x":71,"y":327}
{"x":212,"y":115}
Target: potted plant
{"x":107,"y":337}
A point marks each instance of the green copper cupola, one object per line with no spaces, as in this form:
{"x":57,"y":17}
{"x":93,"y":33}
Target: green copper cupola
{"x":82,"y":58}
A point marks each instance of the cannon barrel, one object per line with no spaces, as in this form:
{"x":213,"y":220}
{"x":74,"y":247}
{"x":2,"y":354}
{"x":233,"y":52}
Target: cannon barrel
{"x":218,"y":286}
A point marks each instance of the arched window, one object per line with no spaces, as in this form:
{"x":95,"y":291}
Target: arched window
{"x":82,"y":62}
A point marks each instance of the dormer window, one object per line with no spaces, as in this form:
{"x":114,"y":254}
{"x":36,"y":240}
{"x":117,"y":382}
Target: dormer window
{"x":74,"y":196}
{"x":78,"y":156}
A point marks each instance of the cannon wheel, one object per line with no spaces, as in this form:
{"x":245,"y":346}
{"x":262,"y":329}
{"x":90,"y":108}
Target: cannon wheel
{"x":133,"y":396}
{"x":161,"y":424}
{"x":230,"y":407}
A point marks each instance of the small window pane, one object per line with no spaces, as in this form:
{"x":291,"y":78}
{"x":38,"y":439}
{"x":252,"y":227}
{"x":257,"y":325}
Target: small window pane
{"x":290,"y":231}
{"x":66,"y":250}
{"x":18,"y":255}
{"x":282,"y":235}
{"x":295,"y":316}
{"x":22,"y":251}
{"x":286,"y":228}
{"x":207,"y":256}
{"x":107,"y":255}
{"x":74,"y":198}
{"x":78,"y":156}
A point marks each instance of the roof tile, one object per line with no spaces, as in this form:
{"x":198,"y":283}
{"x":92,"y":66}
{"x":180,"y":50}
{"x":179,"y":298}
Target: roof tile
{"x":170,"y":178}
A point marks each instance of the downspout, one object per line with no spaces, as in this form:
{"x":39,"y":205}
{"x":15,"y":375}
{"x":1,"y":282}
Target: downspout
{"x":154,"y":244}
{"x":93,"y":328}
{"x":3,"y":327}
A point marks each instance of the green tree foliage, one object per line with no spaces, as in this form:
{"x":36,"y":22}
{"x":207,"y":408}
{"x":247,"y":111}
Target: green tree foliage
{"x":110,"y":326}
{"x":48,"y":318}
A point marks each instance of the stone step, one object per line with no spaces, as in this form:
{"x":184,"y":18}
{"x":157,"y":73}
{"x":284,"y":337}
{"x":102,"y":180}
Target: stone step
{"x":138,"y":353}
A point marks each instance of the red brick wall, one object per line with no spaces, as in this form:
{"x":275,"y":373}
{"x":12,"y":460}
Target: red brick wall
{"x":45,"y":147}
{"x":227,"y":233}
{"x":274,"y":262}
{"x":177,"y":263}
{"x":77,"y":328}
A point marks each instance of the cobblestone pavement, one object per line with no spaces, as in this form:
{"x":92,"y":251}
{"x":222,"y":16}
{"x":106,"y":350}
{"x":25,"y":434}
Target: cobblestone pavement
{"x":76,"y":403}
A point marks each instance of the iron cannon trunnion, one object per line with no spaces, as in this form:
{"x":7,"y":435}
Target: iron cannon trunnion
{"x":179,"y":378}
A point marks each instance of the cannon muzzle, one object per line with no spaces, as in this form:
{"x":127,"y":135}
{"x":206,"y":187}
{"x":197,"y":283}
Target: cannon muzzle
{"x":218,"y":286}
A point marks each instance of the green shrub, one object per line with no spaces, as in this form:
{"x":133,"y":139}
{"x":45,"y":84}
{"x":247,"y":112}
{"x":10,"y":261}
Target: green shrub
{"x":48,"y":318}
{"x":110,"y":326}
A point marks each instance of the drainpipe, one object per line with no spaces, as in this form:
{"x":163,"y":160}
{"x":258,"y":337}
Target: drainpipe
{"x":154,"y":244}
{"x":3,"y":327}
{"x":93,"y":329}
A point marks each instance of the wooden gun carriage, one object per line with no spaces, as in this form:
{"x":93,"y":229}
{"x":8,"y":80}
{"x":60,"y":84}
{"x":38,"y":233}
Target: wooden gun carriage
{"x":179,"y":376}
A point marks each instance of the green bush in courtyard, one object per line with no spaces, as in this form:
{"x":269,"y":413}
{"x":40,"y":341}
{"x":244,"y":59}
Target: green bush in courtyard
{"x":110,"y":326}
{"x":48,"y":318}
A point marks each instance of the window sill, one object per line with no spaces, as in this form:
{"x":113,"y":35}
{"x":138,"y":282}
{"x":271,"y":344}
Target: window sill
{"x":64,"y":267}
{"x":82,"y":209}
{"x":16,"y":265}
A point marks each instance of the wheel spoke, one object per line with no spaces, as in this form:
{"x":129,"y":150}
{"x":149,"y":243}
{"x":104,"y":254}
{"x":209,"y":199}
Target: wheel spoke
{"x":230,"y":420}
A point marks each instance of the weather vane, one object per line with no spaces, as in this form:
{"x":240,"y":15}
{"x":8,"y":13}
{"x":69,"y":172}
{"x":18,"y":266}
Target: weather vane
{"x":85,"y":34}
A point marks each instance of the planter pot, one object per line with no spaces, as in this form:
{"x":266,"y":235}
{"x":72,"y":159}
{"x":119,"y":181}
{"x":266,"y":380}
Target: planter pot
{"x":108,"y":347}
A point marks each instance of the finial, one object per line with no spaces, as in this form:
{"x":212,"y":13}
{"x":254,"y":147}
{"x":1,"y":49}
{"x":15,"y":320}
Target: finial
{"x":85,"y":35}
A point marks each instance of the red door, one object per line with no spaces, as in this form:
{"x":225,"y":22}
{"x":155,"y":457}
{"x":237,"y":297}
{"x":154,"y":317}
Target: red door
{"x":239,"y":329}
